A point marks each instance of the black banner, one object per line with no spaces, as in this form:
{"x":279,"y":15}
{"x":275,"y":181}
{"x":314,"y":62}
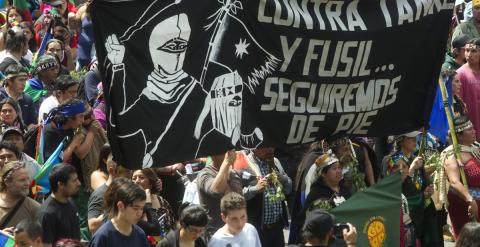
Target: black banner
{"x":189,"y":78}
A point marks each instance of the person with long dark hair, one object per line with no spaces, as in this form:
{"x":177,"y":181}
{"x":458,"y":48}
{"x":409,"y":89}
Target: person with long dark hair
{"x":10,"y":115}
{"x":193,"y":221}
{"x":158,"y":218}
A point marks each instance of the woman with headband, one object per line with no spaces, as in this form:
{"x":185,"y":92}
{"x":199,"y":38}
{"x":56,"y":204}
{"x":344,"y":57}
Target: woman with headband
{"x":462,"y":202}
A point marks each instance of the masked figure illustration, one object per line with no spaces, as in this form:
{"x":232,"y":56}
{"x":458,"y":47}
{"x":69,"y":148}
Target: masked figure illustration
{"x":173,"y":98}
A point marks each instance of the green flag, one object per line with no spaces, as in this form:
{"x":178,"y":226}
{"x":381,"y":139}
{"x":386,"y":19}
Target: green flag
{"x":375,"y":212}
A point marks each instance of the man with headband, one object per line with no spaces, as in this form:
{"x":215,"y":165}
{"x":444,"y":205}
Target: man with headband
{"x":462,"y":202}
{"x":14,"y":84}
{"x":41,"y":85}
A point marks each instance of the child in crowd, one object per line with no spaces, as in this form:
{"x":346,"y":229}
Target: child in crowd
{"x":236,"y":231}
{"x":28,"y":232}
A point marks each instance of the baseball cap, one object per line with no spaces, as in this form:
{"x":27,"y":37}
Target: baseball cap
{"x":12,"y":130}
{"x":318,"y":222}
{"x":460,"y":41}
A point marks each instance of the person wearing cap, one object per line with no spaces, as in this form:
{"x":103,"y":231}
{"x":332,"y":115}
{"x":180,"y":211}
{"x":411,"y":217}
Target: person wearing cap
{"x":65,"y":88}
{"x":14,"y":84}
{"x":416,"y":187}
{"x":327,"y":191}
{"x":15,"y":136}
{"x":471,"y":28}
{"x":456,"y":57}
{"x":15,"y":205}
{"x":41,"y":85}
{"x":318,"y":231}
{"x":462,"y":203}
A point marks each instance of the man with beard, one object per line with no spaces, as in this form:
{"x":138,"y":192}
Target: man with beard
{"x":14,"y":203}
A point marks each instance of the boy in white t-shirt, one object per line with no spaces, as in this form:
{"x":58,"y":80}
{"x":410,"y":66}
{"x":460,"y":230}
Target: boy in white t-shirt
{"x":236,"y":232}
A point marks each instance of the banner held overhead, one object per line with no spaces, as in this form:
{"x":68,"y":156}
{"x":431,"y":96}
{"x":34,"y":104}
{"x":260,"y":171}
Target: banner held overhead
{"x":190,"y":78}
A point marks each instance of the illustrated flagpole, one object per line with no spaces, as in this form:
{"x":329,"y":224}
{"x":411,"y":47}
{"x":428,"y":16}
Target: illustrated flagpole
{"x":220,"y":18}
{"x":452,"y":129}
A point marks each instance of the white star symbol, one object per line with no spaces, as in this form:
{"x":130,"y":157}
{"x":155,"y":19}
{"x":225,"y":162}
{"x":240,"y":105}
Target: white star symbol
{"x":241,"y":48}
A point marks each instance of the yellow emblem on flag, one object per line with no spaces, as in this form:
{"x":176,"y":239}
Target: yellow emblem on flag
{"x":375,"y":230}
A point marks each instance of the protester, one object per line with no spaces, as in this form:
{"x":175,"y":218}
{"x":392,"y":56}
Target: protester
{"x":318,"y":231}
{"x":100,"y":175}
{"x":32,"y":43}
{"x":300,"y":184}
{"x":159,"y":218}
{"x":13,"y":17}
{"x":469,"y":235}
{"x":58,"y":214}
{"x":85,"y":41}
{"x":462,"y":203}
{"x":193,"y":222}
{"x":214,"y":181}
{"x":90,"y":161}
{"x":469,"y":75}
{"x":8,"y":153}
{"x":471,"y":27}
{"x":327,"y":192}
{"x":357,"y":173}
{"x":416,"y":188}
{"x":265,"y":189}
{"x":15,"y":79}
{"x":41,"y":85}
{"x":124,"y":202}
{"x":459,"y":107}
{"x":96,"y":214}
{"x":236,"y":231}
{"x":15,"y":136}
{"x":92,"y":83}
{"x":16,"y":48}
{"x":10,"y":115}
{"x":15,"y":205}
{"x":62,"y":52}
{"x":456,"y":58}
{"x":28,"y":233}
{"x":65,"y":88}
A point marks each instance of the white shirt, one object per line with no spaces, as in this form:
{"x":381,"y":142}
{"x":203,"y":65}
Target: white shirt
{"x":32,"y":166}
{"x":28,"y":56}
{"x":248,"y":237}
{"x":47,"y":105}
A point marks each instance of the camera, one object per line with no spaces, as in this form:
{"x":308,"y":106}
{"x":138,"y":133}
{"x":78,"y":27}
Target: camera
{"x":338,"y":229}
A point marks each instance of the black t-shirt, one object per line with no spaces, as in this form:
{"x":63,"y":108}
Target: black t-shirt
{"x":53,"y":137}
{"x":59,"y":220}
{"x":95,"y":202}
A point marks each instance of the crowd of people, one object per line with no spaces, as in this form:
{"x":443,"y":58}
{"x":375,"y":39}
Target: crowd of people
{"x":52,"y":102}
